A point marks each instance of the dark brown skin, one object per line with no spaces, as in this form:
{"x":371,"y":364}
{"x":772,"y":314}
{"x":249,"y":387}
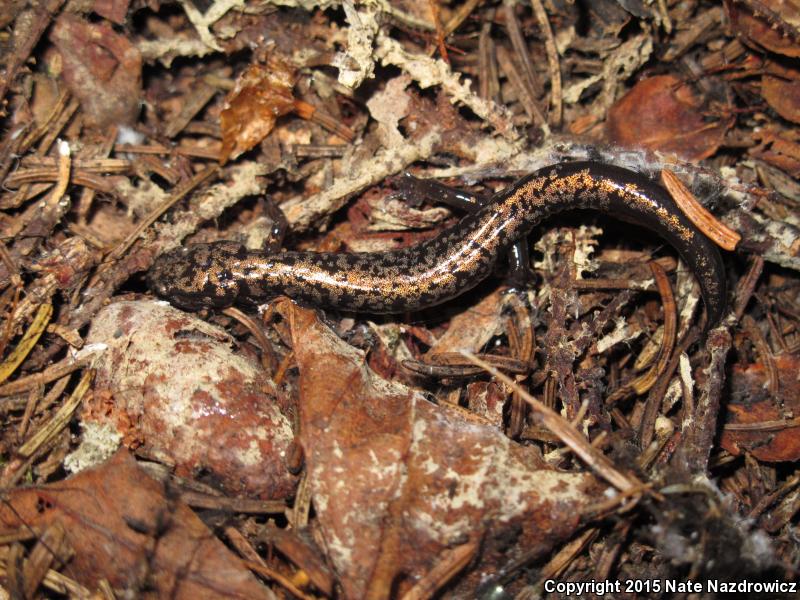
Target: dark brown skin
{"x":220,"y":274}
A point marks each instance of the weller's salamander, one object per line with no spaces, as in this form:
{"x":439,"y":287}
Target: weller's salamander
{"x":219,"y":274}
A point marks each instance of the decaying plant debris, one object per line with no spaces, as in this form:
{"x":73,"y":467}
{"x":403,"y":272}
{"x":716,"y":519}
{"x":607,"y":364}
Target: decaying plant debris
{"x":583,"y":427}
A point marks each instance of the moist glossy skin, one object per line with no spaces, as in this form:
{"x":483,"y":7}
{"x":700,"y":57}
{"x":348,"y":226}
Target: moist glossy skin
{"x":437,"y":270}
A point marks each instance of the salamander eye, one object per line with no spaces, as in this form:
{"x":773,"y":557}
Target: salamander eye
{"x":158,"y":287}
{"x":160,"y":275}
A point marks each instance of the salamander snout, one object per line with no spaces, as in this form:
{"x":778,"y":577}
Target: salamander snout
{"x":197,"y":276}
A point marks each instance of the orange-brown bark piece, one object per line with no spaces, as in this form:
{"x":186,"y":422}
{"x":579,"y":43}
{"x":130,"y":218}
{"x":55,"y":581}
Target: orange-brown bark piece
{"x":767,"y":24}
{"x":398,"y":481}
{"x":780,"y":87}
{"x":751,"y":404}
{"x":262,"y":94}
{"x":662,"y":113}
{"x":472,"y":329}
{"x":780,"y":148}
{"x":101,"y":68}
{"x":124,"y":527}
{"x":113,"y":10}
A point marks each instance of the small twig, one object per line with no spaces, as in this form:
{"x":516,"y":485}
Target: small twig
{"x":279,"y":578}
{"x":34,"y":396}
{"x":764,"y":425}
{"x":564,"y":557}
{"x":570,"y":436}
{"x":528,"y":81}
{"x":488,"y":85}
{"x":665,"y":18}
{"x":25,"y":177}
{"x":96,"y":166}
{"x":747,"y":285}
{"x":699,"y":429}
{"x":192,"y":103}
{"x":714,"y":229}
{"x":449,"y":563}
{"x":312,"y":113}
{"x":31,"y":25}
{"x":233,"y":505}
{"x":440,"y":32}
{"x":522,"y":342}
{"x":769,"y":499}
{"x":764,"y":353}
{"x":521,"y":48}
{"x":59,"y":420}
{"x":27,"y":342}
{"x":646,"y":381}
{"x":53,"y":394}
{"x":176,"y":196}
{"x":460,"y":15}
{"x":53,"y":372}
{"x":48,"y":122}
{"x":60,"y":584}
{"x":55,"y":129}
{"x":189,"y":151}
{"x":87,"y":196}
{"x":552,"y":63}
{"x":269,"y":360}
{"x":51,"y":550}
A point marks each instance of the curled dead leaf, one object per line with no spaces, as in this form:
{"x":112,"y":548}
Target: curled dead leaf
{"x":662,"y":113}
{"x":263,"y":92}
{"x":126,"y":528}
{"x":398,"y":481}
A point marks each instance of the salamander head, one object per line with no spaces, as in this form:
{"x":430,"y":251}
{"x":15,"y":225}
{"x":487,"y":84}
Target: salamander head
{"x":198,"y":276}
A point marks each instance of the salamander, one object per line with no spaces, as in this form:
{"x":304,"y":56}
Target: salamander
{"x":222,"y":273}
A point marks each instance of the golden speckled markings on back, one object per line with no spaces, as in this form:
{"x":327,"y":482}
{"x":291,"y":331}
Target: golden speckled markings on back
{"x":439,"y":269}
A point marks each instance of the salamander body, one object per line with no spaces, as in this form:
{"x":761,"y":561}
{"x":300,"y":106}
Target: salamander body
{"x":439,"y":269}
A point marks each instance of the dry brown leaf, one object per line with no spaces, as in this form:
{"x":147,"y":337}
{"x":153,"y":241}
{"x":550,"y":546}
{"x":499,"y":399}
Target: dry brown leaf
{"x":262,"y":94}
{"x":421,"y":11}
{"x":125,"y":528}
{"x":397,"y":481}
{"x":101,"y":68}
{"x":752,"y":404}
{"x":661,"y":113}
{"x":783,"y":96}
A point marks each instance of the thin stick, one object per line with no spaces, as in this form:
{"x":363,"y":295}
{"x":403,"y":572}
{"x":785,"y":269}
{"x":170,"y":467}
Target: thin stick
{"x":719,"y":233}
{"x":175,"y":197}
{"x":552,"y":63}
{"x":562,"y":428}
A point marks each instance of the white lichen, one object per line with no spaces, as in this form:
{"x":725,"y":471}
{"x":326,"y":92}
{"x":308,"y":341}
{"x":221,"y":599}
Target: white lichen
{"x":98,"y":444}
{"x":356,"y":63}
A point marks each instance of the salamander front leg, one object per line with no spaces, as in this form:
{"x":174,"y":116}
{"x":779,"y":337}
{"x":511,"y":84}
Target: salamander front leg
{"x":415,"y":190}
{"x":278,"y":228}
